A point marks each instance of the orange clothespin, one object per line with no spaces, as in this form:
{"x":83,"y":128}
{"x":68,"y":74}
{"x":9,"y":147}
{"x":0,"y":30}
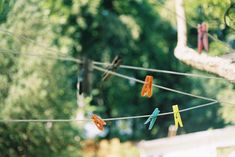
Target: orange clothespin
{"x":98,"y":122}
{"x":147,"y":89}
{"x":202,"y":41}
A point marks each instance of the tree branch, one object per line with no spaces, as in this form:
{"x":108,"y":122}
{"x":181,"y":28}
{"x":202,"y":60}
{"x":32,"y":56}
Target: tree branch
{"x":222,"y":66}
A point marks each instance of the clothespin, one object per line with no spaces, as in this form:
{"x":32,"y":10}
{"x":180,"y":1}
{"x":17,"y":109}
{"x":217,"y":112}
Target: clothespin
{"x":152,"y":118}
{"x":114,"y":65}
{"x":177,"y":116}
{"x":147,"y":88}
{"x":202,"y":41}
{"x":98,"y":122}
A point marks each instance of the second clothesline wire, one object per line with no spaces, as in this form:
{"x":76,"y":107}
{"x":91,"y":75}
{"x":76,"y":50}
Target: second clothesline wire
{"x":214,"y":101}
{"x":105,"y":119}
{"x":110,"y":119}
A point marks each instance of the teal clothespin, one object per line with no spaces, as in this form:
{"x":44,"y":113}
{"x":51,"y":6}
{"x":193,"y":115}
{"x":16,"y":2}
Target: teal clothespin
{"x":152,"y":118}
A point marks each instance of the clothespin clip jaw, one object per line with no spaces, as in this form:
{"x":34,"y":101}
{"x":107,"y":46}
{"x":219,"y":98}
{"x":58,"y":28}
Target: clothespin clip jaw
{"x":177,"y":117}
{"x":98,"y":122}
{"x":152,"y":119}
{"x":202,"y":41}
{"x":147,"y":89}
{"x":114,"y":65}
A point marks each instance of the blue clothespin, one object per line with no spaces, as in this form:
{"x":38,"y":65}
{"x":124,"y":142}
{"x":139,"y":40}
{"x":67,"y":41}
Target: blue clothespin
{"x":152,"y":118}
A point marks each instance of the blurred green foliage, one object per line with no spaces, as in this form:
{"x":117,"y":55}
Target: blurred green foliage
{"x":137,"y":30}
{"x":5,"y":7}
{"x":34,"y":88}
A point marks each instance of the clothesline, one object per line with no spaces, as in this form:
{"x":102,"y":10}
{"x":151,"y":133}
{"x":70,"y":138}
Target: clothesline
{"x":117,"y":74}
{"x":155,"y":85}
{"x":161,"y":87}
{"x":62,"y":58}
{"x":159,"y":71}
{"x":67,"y":58}
{"x":123,"y":76}
{"x":214,"y":101}
{"x":105,"y":119}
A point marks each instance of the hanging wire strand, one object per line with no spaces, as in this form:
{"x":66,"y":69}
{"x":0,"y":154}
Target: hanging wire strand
{"x":64,"y":58}
{"x":27,"y":39}
{"x":67,"y":58}
{"x":114,"y":73}
{"x":160,"y":71}
{"x":161,"y":114}
{"x":117,"y":74}
{"x":161,"y":87}
{"x":41,"y":120}
{"x":155,"y":85}
{"x":105,"y":119}
{"x":216,"y":39}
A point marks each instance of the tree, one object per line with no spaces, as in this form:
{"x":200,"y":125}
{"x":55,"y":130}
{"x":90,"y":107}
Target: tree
{"x":5,"y":7}
{"x":34,"y":88}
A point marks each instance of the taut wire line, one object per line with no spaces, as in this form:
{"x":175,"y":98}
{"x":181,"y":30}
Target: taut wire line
{"x":72,"y":59}
{"x":155,"y":85}
{"x":161,"y":87}
{"x":162,"y":114}
{"x":123,"y":76}
{"x":159,"y":71}
{"x":66,"y":58}
{"x":62,"y":58}
{"x":105,"y":119}
{"x":42,"y":120}
{"x":27,"y":39}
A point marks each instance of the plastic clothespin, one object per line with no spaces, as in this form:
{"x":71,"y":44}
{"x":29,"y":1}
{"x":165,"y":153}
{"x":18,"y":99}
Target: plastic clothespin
{"x":114,"y":65}
{"x":202,"y":41}
{"x":98,"y":122}
{"x":152,"y":118}
{"x":147,"y":89}
{"x":177,"y":116}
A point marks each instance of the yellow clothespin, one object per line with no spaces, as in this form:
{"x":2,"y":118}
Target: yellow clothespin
{"x":177,"y":116}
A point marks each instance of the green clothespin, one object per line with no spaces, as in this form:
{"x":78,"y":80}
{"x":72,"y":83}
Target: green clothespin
{"x":152,"y":118}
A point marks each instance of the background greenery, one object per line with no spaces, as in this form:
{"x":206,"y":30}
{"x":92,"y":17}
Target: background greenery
{"x":142,"y":32}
